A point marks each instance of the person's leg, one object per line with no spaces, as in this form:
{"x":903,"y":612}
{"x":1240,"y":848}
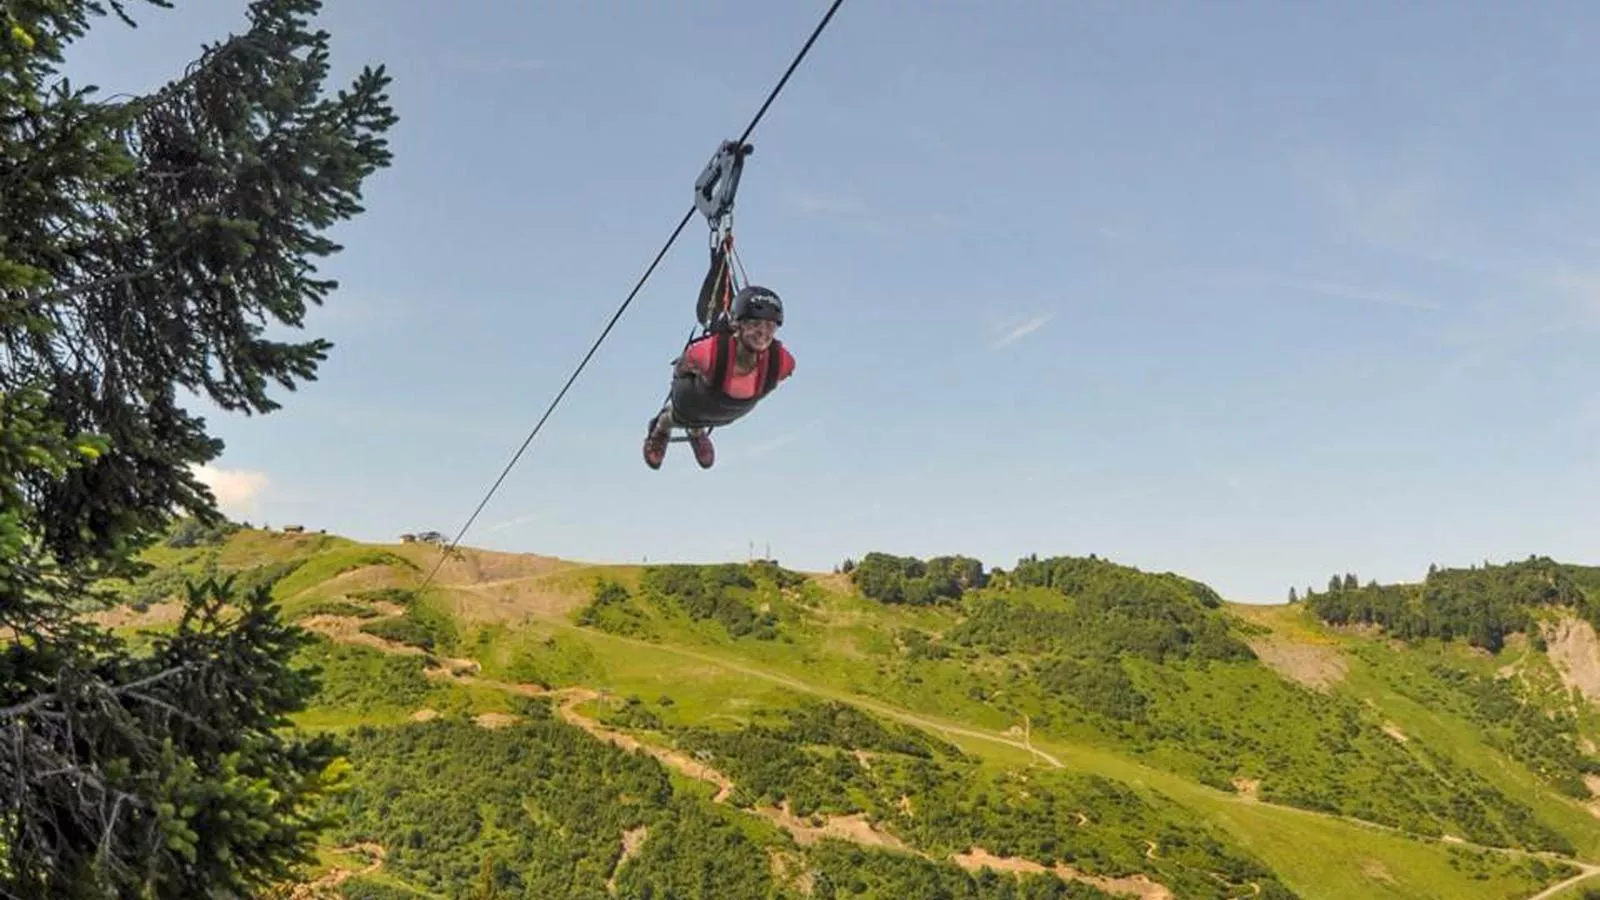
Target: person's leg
{"x":704,"y":453}
{"x":663,"y":422}
{"x":656,"y":437}
{"x":699,"y":437}
{"x":688,"y":409}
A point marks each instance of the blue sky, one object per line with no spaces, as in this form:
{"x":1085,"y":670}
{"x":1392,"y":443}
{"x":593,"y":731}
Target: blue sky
{"x":1256,"y":292}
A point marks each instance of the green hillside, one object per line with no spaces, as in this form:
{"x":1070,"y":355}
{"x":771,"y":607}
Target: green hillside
{"x":1067,"y":727}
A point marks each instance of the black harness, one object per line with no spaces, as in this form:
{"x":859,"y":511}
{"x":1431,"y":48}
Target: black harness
{"x":725,"y":352}
{"x":702,"y":403}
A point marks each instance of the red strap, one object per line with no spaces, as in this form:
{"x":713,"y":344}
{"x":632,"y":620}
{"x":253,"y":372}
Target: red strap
{"x":727,"y":281}
{"x":774,"y":363}
{"x":720,"y":351}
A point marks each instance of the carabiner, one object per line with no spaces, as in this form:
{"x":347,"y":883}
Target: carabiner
{"x":714,"y":189}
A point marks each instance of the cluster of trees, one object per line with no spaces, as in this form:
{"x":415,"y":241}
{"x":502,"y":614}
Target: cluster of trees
{"x":547,"y":802}
{"x":1323,"y":751}
{"x":799,"y":759}
{"x":146,"y":245}
{"x":363,"y":680}
{"x":1100,"y":610}
{"x":719,"y":593}
{"x":421,"y":625}
{"x":608,"y":609}
{"x":193,"y":532}
{"x":1221,"y":722}
{"x":1536,"y":727}
{"x":1543,"y":737}
{"x":539,"y":809}
{"x":1091,"y":575}
{"x":944,"y":803}
{"x":842,"y":725}
{"x":906,"y":579}
{"x":1480,"y":605}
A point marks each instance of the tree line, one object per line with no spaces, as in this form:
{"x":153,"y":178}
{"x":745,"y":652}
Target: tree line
{"x":147,"y":244}
{"x":1479,"y":605}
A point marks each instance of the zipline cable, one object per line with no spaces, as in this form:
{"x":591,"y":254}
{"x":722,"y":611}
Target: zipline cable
{"x":771,"y":96}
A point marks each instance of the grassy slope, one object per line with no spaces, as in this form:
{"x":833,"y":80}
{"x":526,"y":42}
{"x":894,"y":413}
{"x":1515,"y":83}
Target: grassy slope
{"x":518,"y":623}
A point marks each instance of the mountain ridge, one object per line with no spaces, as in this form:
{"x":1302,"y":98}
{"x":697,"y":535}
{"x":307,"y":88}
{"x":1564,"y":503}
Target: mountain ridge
{"x":1083,"y":631}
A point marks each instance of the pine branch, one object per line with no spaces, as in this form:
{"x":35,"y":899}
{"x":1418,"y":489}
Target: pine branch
{"x":60,"y":294}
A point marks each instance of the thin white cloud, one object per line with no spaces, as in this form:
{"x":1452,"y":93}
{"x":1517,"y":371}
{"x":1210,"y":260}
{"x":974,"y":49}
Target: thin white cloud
{"x":1018,"y":332}
{"x":512,"y":523}
{"x":1341,"y":291}
{"x":236,"y":490}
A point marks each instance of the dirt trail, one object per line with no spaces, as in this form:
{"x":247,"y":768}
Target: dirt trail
{"x":1139,"y":886}
{"x":347,"y":629}
{"x":327,"y":887}
{"x":576,"y":695}
{"x":1587,"y":868}
{"x":1589,"y":871}
{"x":856,"y":828}
{"x":632,"y":840}
{"x":882,"y":709}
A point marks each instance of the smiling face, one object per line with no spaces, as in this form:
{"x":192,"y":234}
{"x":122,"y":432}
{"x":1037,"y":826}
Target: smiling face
{"x":757,"y":334}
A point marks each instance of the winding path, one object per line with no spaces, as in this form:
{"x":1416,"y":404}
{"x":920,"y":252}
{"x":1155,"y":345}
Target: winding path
{"x":1589,"y":871}
{"x":576,"y":695}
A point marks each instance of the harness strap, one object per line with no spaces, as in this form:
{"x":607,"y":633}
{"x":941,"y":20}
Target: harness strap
{"x":719,"y":365}
{"x":723,"y":355}
{"x":774,"y":358}
{"x":716,"y":290}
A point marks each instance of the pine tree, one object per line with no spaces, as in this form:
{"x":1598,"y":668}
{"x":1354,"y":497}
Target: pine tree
{"x":145,"y":244}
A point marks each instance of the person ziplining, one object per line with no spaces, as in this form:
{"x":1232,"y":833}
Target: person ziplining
{"x":737,"y":360}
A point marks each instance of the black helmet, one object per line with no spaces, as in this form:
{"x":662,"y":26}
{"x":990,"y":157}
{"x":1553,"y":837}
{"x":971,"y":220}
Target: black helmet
{"x":754,"y":302}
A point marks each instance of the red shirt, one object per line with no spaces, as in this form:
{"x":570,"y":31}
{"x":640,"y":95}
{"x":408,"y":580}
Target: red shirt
{"x":738,"y":385}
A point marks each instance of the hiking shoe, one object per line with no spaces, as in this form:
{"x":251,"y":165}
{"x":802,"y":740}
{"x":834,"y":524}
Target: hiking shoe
{"x":704,"y":453}
{"x":655,"y":446}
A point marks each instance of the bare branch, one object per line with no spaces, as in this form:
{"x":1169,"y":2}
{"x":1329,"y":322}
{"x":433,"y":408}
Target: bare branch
{"x":43,"y":700}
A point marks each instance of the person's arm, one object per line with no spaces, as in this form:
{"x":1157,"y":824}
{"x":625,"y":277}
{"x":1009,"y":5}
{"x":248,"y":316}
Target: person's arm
{"x":696,"y":358}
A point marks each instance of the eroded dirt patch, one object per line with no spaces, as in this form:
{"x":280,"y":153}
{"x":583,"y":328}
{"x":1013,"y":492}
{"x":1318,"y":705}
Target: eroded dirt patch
{"x":1316,"y":666}
{"x":1139,"y":886}
{"x":165,"y":613}
{"x":360,"y":578}
{"x":856,"y":828}
{"x":327,"y":887}
{"x":1574,"y":648}
{"x":632,"y":840}
{"x":470,"y":566}
{"x":677,"y":760}
{"x":789,"y":869}
{"x":1377,"y":871}
{"x":347,"y":629}
{"x":513,"y":600}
